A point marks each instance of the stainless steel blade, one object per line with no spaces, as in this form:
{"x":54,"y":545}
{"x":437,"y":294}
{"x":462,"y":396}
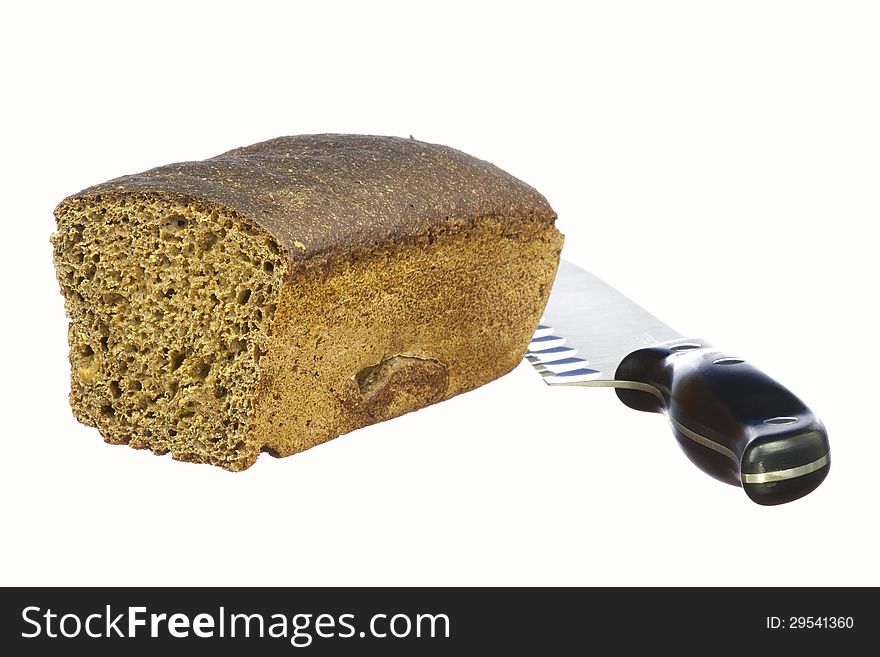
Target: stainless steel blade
{"x":598,"y":327}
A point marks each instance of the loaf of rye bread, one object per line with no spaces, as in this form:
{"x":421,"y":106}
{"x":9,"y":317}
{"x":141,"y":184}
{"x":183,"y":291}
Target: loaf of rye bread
{"x":279,"y":295}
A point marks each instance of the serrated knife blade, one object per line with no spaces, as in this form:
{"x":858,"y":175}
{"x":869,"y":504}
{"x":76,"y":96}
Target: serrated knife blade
{"x":597,"y":322}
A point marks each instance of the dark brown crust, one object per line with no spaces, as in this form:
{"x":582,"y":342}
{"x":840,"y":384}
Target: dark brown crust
{"x":323,"y":196}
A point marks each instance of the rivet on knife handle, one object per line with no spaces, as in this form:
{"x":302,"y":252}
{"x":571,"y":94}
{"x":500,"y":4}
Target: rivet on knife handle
{"x":732,"y":420}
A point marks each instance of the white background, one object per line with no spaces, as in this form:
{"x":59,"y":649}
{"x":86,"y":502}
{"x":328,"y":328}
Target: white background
{"x":718,"y":162}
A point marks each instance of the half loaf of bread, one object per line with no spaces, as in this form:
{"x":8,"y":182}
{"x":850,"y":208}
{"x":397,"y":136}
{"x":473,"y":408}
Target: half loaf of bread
{"x":279,"y":295}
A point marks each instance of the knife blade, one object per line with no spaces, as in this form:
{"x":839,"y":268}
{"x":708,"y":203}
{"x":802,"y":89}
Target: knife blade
{"x":733,"y":421}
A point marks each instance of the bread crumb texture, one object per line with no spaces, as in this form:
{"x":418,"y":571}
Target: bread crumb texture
{"x":223,"y":311}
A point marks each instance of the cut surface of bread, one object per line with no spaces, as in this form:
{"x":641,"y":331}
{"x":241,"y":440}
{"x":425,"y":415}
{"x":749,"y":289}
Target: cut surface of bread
{"x":280,"y":295}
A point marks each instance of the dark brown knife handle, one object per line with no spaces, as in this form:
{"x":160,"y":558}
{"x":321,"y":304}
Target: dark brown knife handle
{"x":732,"y":420}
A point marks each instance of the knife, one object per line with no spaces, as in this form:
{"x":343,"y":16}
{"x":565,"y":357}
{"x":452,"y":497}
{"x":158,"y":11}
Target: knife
{"x":733,"y":421}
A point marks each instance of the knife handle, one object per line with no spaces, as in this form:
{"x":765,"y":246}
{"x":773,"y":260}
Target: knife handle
{"x":732,"y":420}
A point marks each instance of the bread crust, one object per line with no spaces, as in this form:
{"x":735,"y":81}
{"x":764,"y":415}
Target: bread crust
{"x":333,"y":196}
